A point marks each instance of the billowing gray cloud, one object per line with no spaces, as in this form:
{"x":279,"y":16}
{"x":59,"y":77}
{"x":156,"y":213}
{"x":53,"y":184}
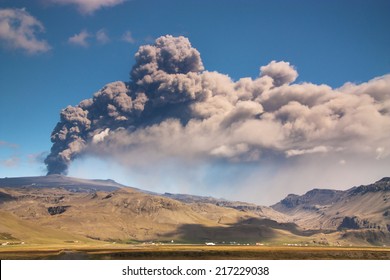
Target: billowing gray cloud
{"x":281,"y":72}
{"x":173,"y":108}
{"x":19,"y":29}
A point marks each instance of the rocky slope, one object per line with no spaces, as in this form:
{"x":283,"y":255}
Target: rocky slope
{"x":363,"y":209}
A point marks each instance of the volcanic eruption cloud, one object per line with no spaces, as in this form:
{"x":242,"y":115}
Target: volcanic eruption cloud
{"x":173,"y":108}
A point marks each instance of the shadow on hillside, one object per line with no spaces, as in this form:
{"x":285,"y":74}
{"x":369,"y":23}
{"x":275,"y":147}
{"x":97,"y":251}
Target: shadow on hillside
{"x":4,"y":197}
{"x":249,"y":230}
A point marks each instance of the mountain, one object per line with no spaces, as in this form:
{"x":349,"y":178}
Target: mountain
{"x":97,"y":210}
{"x":361,"y":212}
{"x":56,"y":209}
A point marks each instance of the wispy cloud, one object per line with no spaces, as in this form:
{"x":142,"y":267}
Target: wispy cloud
{"x":102,"y":36}
{"x":10,"y":162}
{"x":13,"y":159}
{"x":88,"y":6}
{"x":18,"y":30}
{"x":80,"y":39}
{"x":85,"y":38}
{"x":8,"y":145}
{"x":36,"y":157}
{"x":128,"y":37}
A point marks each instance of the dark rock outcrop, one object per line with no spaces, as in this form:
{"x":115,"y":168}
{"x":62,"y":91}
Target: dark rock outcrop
{"x":56,"y":210}
{"x":349,"y":223}
{"x":357,"y":223}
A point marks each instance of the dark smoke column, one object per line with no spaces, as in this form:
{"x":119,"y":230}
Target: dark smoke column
{"x":159,"y":78}
{"x":68,"y":139}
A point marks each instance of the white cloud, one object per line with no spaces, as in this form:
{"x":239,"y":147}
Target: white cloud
{"x":102,"y":36}
{"x":100,"y":136}
{"x":318,"y":149}
{"x":18,"y":30}
{"x":84,"y":38}
{"x":80,"y":39}
{"x":128,"y":37}
{"x":89,"y":6}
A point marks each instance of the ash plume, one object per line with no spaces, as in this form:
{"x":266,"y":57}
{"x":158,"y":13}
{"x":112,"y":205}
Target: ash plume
{"x":173,"y":108}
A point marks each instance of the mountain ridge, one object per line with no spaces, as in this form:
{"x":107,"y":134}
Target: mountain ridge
{"x":360,"y":207}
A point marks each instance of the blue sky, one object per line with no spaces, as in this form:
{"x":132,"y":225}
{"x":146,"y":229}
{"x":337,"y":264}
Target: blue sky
{"x":328,"y":42}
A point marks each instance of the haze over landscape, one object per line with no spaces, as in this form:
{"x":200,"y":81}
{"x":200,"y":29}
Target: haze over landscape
{"x":254,"y":101}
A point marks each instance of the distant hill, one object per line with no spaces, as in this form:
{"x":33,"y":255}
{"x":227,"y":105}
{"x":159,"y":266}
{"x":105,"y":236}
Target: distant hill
{"x":61,"y":181}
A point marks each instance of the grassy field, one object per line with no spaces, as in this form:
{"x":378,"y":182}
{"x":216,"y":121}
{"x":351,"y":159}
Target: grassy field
{"x":192,"y":252}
